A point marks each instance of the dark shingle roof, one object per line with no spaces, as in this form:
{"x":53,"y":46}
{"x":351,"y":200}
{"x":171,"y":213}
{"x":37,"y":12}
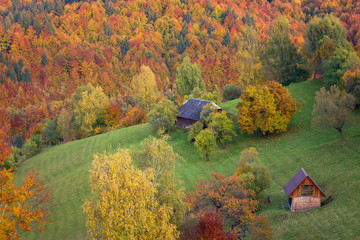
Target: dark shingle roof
{"x":192,"y":108}
{"x":296,"y":180}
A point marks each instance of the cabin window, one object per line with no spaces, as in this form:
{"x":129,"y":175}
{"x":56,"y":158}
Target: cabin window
{"x":306,"y":190}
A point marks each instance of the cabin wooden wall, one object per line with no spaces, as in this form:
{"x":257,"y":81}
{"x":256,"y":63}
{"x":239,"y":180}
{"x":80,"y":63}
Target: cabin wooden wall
{"x":306,"y":181}
{"x":305,"y":203}
{"x":184,"y":123}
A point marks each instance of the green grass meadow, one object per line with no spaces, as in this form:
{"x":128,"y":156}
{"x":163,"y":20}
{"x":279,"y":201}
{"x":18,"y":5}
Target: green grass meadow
{"x":333,"y":163}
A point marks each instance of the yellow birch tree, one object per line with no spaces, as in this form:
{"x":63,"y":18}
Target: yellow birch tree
{"x":123,"y":203}
{"x":144,"y":88}
{"x":91,"y":104}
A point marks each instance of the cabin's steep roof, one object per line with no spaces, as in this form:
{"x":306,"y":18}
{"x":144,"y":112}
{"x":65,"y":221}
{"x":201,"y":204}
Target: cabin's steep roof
{"x":191,"y":109}
{"x":296,"y":180}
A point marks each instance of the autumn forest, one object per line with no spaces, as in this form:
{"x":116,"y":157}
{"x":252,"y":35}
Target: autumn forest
{"x":51,"y":48}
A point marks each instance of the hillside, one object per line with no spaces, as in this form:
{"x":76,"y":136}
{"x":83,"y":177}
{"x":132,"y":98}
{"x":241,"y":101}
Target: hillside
{"x":331,"y":162}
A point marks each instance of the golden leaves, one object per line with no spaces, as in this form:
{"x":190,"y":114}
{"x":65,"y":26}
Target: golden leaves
{"x":268,"y":108}
{"x":123,"y":205}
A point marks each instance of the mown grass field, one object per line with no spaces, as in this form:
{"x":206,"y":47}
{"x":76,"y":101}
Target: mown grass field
{"x":333,"y":163}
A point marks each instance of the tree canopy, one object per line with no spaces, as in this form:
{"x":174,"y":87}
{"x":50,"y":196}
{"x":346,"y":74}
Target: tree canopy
{"x":144,"y":88}
{"x":188,"y":77}
{"x":333,"y":108}
{"x":282,"y":62}
{"x":351,"y":81}
{"x":157,"y":155}
{"x":127,"y":209}
{"x":233,"y":202}
{"x":222,"y":127}
{"x":205,"y":142}
{"x":254,"y":174}
{"x":163,"y":115}
{"x":324,"y":34}
{"x":268,"y":108}
{"x":89,"y":103}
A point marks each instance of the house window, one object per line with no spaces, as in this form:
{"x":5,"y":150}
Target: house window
{"x":306,"y":190}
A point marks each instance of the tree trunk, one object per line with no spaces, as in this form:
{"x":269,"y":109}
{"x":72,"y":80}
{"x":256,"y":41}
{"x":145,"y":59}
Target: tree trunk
{"x":207,"y":157}
{"x":314,"y":77}
{"x":341,"y":133}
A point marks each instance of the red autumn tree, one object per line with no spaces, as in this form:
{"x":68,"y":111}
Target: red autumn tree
{"x":209,"y":226}
{"x":113,"y":115}
{"x":134,"y":116}
{"x":5,"y":147}
{"x":228,"y":198}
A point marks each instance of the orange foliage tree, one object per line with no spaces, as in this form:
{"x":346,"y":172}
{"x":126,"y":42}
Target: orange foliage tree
{"x":21,"y":207}
{"x":351,"y":81}
{"x":134,"y":116}
{"x":113,"y":115}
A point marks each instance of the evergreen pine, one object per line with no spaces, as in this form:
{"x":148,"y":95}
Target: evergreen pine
{"x":184,"y":30}
{"x":226,"y":40}
{"x":125,"y":47}
{"x":44,"y":60}
{"x":49,"y":24}
{"x":209,"y":8}
{"x":7,"y":61}
{"x":187,"y":17}
{"x":21,"y":63}
{"x":210,"y":28}
{"x":1,"y":57}
{"x":12,"y":75}
{"x":27,"y":75}
{"x":17,"y":71}
{"x":148,"y":13}
{"x":109,"y":8}
{"x":181,"y":46}
{"x":107,"y":30}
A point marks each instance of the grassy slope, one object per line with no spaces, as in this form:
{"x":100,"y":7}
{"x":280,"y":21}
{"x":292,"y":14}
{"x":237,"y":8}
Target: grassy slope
{"x":65,"y":170}
{"x":331,"y":162}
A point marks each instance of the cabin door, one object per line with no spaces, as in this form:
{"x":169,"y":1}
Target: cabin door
{"x":290,"y":203}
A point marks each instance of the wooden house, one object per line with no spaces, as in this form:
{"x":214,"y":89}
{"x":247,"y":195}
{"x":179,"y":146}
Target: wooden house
{"x":304,"y":194}
{"x":190,"y":111}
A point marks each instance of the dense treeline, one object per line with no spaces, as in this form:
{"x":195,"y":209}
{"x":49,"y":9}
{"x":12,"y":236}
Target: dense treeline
{"x":50,"y":49}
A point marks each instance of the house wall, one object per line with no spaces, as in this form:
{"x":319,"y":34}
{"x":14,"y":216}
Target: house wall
{"x":184,"y":123}
{"x":300,"y":204}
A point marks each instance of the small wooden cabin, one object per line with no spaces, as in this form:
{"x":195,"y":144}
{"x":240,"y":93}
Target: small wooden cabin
{"x":304,"y":194}
{"x":189,"y":112}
